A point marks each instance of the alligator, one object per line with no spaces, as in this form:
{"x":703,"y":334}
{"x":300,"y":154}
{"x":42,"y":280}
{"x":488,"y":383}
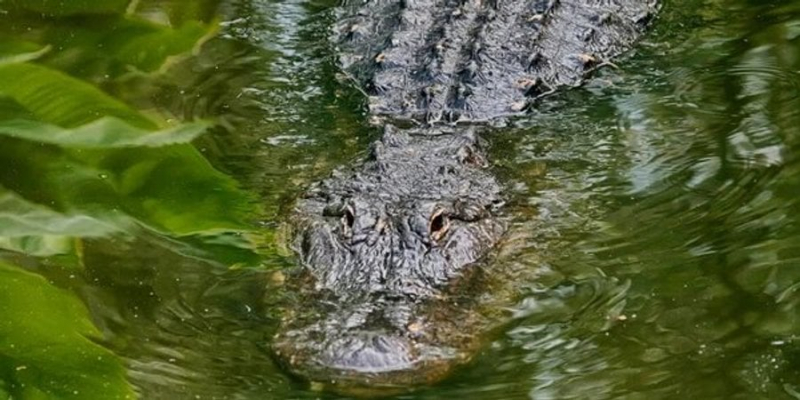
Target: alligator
{"x":395,"y":250}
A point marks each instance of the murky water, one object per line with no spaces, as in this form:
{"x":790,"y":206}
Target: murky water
{"x":656,"y":217}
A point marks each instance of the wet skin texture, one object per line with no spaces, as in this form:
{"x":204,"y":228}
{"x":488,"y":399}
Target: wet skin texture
{"x":393,"y":251}
{"x":379,"y":244}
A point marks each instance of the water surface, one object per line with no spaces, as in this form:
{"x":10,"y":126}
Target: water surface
{"x":655,"y":211}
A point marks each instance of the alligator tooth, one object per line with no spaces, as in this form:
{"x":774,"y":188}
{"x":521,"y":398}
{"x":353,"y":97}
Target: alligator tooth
{"x":527,"y":83}
{"x":414,"y":327}
{"x":380,"y":225}
{"x":586,"y":58}
{"x":518,"y":106}
{"x":536,"y":18}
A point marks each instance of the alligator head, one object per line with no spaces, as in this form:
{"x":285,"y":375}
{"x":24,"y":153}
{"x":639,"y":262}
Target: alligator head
{"x":388,"y":251}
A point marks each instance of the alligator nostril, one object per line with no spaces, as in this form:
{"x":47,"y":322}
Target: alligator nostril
{"x":348,"y":219}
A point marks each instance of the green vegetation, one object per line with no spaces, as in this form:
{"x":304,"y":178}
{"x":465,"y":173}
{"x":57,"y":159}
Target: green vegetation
{"x":71,"y":149}
{"x":83,"y":155}
{"x":46,"y":344}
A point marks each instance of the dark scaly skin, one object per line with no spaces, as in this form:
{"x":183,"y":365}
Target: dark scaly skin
{"x":474,"y":60}
{"x":379,"y":309}
{"x":394,"y":250}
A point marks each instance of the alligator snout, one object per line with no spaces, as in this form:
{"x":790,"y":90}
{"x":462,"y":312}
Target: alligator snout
{"x":370,"y":353}
{"x":355,"y":355}
{"x":352,"y":360}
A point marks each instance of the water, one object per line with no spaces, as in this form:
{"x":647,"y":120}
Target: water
{"x":656,"y":217}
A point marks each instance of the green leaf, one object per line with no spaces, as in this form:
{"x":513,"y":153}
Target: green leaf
{"x":36,"y":230}
{"x":148,"y":51}
{"x":106,"y":132}
{"x":59,"y":99}
{"x":40,"y":246}
{"x":200,"y":10}
{"x":46,"y":343}
{"x":10,"y":109}
{"x":172,"y":189}
{"x":14,"y":51}
{"x":20,"y":218}
{"x":60,"y":8}
{"x":110,"y":48}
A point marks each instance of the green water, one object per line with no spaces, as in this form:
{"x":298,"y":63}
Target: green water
{"x":656,"y":209}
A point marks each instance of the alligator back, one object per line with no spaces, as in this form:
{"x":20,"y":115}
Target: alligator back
{"x":478,"y":59}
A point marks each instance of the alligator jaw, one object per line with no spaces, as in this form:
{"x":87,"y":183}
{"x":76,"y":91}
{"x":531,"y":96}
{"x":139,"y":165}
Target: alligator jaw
{"x":380,"y":361}
{"x":356,"y":350}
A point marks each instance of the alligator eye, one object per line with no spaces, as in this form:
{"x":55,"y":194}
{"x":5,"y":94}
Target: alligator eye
{"x":439,"y":225}
{"x":348,"y":219}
